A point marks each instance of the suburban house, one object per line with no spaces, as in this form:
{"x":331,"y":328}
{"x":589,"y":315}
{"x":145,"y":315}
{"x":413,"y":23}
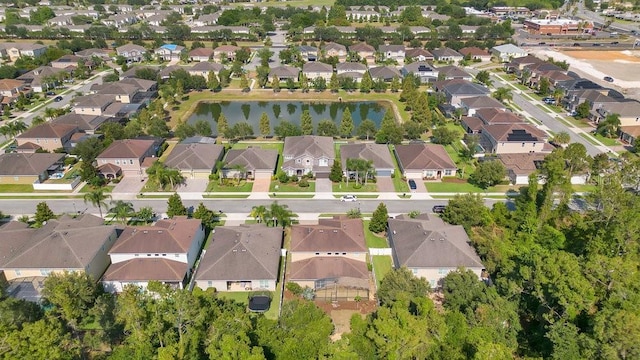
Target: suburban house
{"x":455,"y":90}
{"x":69,"y":60}
{"x":195,"y":161}
{"x":316,"y":69}
{"x":392,"y":52}
{"x":251,"y":163}
{"x":47,"y":136}
{"x":507,"y":52}
{"x":284,"y":73}
{"x":489,"y":116}
{"x":516,"y":65}
{"x":16,"y":50}
{"x":446,"y":54}
{"x":121,"y":92}
{"x":206,"y":19}
{"x":330,"y":258}
{"x":85,"y":123}
{"x":425,"y":71}
{"x":28,"y":168}
{"x":169,"y":52}
{"x":475,"y":53}
{"x":204,"y":68}
{"x":418,"y":54}
{"x":364,"y":51}
{"x":424,"y":161}
{"x":378,"y":154}
{"x":335,"y":50}
{"x":471,"y":104}
{"x":128,"y":155}
{"x":384,"y":73}
{"x":131,"y":52}
{"x":513,"y":138}
{"x":225,"y":53}
{"x":308,"y":154}
{"x":431,"y":248}
{"x":627,"y":111}
{"x":93,"y":52}
{"x":64,"y":244}
{"x":201,"y":54}
{"x":241,"y":258}
{"x":596,"y":98}
{"x":451,"y":72}
{"x":351,"y":70}
{"x":520,"y":166}
{"x":42,"y":78}
{"x":165,"y":252}
{"x":92,"y":104}
{"x":308,"y":53}
{"x":11,"y":88}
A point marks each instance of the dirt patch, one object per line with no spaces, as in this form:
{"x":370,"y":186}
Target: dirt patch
{"x":618,"y":56}
{"x":341,"y":313}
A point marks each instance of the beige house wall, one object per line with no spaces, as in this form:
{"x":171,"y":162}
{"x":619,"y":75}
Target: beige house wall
{"x":518,"y":148}
{"x":49,"y":144}
{"x":298,"y":255}
{"x":88,"y":111}
{"x":629,"y":121}
{"x":27,"y":180}
{"x":305,"y":283}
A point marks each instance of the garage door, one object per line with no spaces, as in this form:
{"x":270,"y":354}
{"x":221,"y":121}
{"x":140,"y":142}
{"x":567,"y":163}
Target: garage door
{"x":322,"y":175}
{"x":263,"y":175}
{"x":414,"y":175}
{"x":384,"y":172}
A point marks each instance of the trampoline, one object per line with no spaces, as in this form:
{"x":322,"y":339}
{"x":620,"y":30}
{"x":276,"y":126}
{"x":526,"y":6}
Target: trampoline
{"x":259,"y":303}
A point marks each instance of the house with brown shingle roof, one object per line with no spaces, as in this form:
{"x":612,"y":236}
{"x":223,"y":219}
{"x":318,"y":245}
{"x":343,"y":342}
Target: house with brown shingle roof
{"x":364,"y":51}
{"x":475,"y":53}
{"x":384,"y":73}
{"x":129,"y":154}
{"x":450,"y":72}
{"x":131,"y":52}
{"x":513,"y":138}
{"x":48,"y":136}
{"x":195,"y":161}
{"x":446,"y":54}
{"x":204,"y":68}
{"x":330,"y":258}
{"x":431,"y":248}
{"x":378,"y":154}
{"x":424,"y":161}
{"x":201,"y":54}
{"x":63,"y":244}
{"x":470,"y":105}
{"x":225,"y":53}
{"x":165,"y":252}
{"x":28,"y":168}
{"x":85,"y":123}
{"x":253,"y":162}
{"x":92,"y":104}
{"x":122,"y":92}
{"x":241,"y":258}
{"x":520,"y":166}
{"x":11,"y":88}
{"x":308,"y":154}
{"x":335,"y":50}
{"x":418,"y":54}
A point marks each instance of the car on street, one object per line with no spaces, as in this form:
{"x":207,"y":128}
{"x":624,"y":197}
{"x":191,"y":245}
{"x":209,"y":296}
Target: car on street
{"x":549,"y":100}
{"x":438,"y":209}
{"x":412,"y":184}
{"x":615,"y":43}
{"x":596,"y":44}
{"x":608,"y":79}
{"x":576,"y":44}
{"x":348,"y":198}
{"x":57,"y":99}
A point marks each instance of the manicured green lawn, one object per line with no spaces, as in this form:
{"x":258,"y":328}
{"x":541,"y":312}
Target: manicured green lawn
{"x":583,"y":188}
{"x":602,"y":139}
{"x":381,"y":266}
{"x":239,"y":296}
{"x":291,"y":187}
{"x":243,"y":298}
{"x":293,"y":196}
{"x":373,"y":240}
{"x":88,"y":188}
{"x":342,"y":187}
{"x":245,"y":186}
{"x":264,"y":145}
{"x":16,"y":188}
{"x":153,"y":186}
{"x":168,"y":150}
{"x":464,"y":187}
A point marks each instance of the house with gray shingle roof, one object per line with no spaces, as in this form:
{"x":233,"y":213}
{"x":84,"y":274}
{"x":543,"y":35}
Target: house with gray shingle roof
{"x":424,"y":161}
{"x":195,"y":161}
{"x":63,"y":244}
{"x":92,"y":104}
{"x":471,"y":104}
{"x":47,"y":136}
{"x":131,"y":52}
{"x":384,"y":73}
{"x":378,"y":154}
{"x":28,"y":168}
{"x":253,"y":162}
{"x":431,"y":248}
{"x":241,"y":258}
{"x":129,"y":154}
{"x":204,"y":68}
{"x":453,"y":72}
{"x":308,"y":53}
{"x":515,"y":138}
{"x":447,"y":55}
{"x":507,"y":52}
{"x":308,"y":154}
{"x":457,"y":89}
{"x":284,"y":73}
{"x":425,"y":71}
{"x":316,"y":69}
{"x":392,"y":52}
{"x":352,"y":70}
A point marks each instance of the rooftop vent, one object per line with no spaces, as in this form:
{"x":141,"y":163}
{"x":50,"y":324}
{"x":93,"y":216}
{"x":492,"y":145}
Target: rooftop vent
{"x":432,"y":239}
{"x":145,"y":232}
{"x":335,"y":231}
{"x":159,"y":231}
{"x":394,"y":232}
{"x":321,"y":230}
{"x":441,"y":239}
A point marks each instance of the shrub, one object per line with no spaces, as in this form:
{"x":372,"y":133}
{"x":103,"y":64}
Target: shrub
{"x":303,"y":183}
{"x":70,"y":161}
{"x":293,"y":178}
{"x":414,"y":214}
{"x":283,"y":177}
{"x":393,"y":174}
{"x":294,"y":288}
{"x":115,"y":181}
{"x":214,"y":177}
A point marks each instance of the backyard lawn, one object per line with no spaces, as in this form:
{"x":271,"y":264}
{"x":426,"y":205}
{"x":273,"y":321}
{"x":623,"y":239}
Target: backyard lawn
{"x":243,"y":297}
{"x":342,"y":187}
{"x":373,"y":240}
{"x":291,"y":187}
{"x":381,"y":266}
{"x":245,"y":186}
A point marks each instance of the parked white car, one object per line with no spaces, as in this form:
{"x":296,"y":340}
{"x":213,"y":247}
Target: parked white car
{"x":346,"y":198}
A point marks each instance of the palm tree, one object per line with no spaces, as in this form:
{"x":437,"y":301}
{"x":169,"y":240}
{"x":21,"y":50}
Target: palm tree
{"x":174,"y":177}
{"x":562,"y":138}
{"x":18,"y":126}
{"x":558,"y":94}
{"x":122,"y":210}
{"x":503,"y":94}
{"x":280,"y":214}
{"x":524,"y":76}
{"x":259,"y":213}
{"x":609,"y":126}
{"x":97,"y":198}
{"x":160,"y":173}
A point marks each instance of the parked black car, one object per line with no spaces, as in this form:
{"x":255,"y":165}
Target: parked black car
{"x":412,"y":184}
{"x":438,"y":209}
{"x":608,"y":78}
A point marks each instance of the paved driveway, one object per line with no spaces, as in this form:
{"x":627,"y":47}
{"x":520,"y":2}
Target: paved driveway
{"x":385,"y":184}
{"x":323,"y":186}
{"x":261,"y":185}
{"x":194,"y":185}
{"x":129,"y":185}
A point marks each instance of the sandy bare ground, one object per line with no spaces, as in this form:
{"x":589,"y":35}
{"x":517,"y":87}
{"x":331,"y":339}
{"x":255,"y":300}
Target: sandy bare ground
{"x":623,"y":66}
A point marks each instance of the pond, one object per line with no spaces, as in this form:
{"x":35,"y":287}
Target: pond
{"x":251,"y":111}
